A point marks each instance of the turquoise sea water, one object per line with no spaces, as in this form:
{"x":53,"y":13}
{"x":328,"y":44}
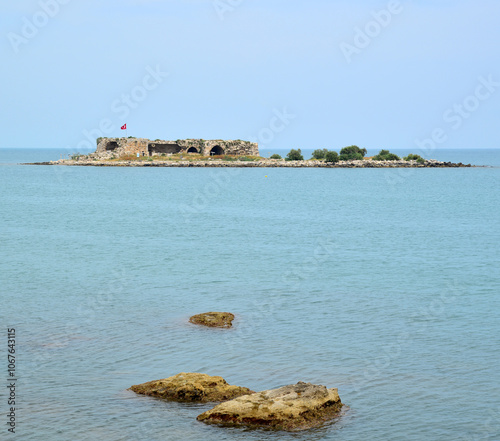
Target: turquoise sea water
{"x":383,"y":283}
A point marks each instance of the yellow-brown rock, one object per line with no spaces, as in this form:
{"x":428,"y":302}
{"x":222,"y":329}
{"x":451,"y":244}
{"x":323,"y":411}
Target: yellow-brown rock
{"x":191,"y":387}
{"x":213,"y":319}
{"x":294,"y":407}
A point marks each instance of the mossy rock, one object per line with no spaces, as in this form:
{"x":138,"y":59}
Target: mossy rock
{"x":295,"y":407}
{"x":213,"y":319}
{"x":191,"y":387}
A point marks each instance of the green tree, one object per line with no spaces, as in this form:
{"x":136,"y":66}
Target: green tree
{"x":275,"y":156}
{"x":319,"y":153}
{"x":332,"y":156}
{"x":352,"y":152}
{"x":413,"y":157}
{"x":386,"y":155}
{"x":294,"y":155}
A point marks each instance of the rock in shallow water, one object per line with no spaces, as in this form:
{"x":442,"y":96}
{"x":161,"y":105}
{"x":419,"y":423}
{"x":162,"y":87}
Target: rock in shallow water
{"x":294,"y":407}
{"x":213,"y":319}
{"x":191,"y":387}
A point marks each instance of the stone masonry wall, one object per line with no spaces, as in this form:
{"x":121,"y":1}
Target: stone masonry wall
{"x":117,"y":147}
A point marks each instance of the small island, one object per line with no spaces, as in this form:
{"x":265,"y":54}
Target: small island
{"x":142,"y":152}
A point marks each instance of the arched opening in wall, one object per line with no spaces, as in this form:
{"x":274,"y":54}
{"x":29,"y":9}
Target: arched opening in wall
{"x":163,"y":149}
{"x":192,"y":150}
{"x":217,"y":150}
{"x":112,"y":145}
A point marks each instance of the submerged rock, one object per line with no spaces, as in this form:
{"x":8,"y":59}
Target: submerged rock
{"x":213,"y":319}
{"x":191,"y":387}
{"x":295,"y":407}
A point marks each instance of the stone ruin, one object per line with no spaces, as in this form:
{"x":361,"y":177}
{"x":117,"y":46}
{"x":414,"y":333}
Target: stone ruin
{"x":117,"y":147}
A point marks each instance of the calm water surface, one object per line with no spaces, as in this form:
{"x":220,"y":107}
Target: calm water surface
{"x":383,"y":283}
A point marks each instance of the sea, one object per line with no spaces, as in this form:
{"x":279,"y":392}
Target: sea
{"x":383,"y":283}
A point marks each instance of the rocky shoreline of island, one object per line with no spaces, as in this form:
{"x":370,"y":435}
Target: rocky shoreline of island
{"x":261,"y":163}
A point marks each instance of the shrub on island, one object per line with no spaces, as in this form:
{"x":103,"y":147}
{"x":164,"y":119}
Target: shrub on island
{"x":331,"y":157}
{"x":413,"y":157}
{"x":319,"y":154}
{"x":275,"y":156}
{"x":294,"y":155}
{"x":386,"y":155}
{"x":352,"y":152}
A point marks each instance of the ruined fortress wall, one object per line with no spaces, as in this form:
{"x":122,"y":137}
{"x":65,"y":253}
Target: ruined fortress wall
{"x":146,"y":147}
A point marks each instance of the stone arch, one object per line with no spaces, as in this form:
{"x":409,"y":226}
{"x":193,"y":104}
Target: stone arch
{"x":217,"y":150}
{"x":192,"y":150}
{"x":111,"y":145}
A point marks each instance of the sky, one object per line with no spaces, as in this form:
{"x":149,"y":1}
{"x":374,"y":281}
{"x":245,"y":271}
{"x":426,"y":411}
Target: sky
{"x":283,"y":73}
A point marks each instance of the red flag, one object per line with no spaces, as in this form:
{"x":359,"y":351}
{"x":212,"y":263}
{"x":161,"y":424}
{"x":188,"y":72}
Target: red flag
{"x":124,"y":127}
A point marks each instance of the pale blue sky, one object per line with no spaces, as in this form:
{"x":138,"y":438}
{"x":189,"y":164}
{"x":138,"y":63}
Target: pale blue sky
{"x":233,"y":65}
